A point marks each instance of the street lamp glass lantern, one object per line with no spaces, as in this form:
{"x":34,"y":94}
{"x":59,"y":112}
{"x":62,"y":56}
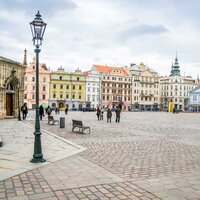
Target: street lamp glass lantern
{"x":38,"y":28}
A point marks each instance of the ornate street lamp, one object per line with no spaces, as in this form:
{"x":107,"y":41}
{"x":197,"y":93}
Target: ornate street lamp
{"x":18,"y":87}
{"x":37,"y":28}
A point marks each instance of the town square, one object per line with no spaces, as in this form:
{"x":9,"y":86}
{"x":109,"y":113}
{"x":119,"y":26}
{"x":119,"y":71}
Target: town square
{"x":99,"y":100}
{"x":148,"y":155}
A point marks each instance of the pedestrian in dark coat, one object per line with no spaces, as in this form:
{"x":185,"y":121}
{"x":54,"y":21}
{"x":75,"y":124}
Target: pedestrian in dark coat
{"x":98,"y":113}
{"x":24,"y":110}
{"x":41,"y":111}
{"x":109,"y":115}
{"x":118,"y":111}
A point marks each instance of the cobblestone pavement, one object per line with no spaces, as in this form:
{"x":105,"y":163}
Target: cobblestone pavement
{"x":147,"y":156}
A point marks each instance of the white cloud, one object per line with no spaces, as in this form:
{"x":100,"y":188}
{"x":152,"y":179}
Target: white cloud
{"x":82,"y":33}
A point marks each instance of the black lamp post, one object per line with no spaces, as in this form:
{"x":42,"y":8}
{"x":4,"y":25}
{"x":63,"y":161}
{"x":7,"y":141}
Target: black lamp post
{"x":37,"y":28}
{"x":18,"y":87}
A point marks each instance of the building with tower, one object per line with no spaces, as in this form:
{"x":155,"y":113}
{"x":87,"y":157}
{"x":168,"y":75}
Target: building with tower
{"x":174,"y":89}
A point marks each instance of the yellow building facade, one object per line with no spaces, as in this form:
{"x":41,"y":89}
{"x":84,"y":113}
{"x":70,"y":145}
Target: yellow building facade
{"x":67,"y":89}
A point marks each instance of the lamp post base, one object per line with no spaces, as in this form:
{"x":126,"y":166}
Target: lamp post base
{"x":37,"y":160}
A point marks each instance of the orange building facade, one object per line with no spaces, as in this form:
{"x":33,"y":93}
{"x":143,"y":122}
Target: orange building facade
{"x":115,"y":87}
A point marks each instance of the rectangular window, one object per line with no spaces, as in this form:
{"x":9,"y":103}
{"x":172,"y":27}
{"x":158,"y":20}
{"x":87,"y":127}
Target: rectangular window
{"x":43,"y":88}
{"x":60,"y":78}
{"x":67,"y":96}
{"x":61,"y":86}
{"x":77,"y":78}
{"x":33,"y":79}
{"x":33,"y":96}
{"x":33,"y":88}
{"x":80,"y":87}
{"x":67,"y":87}
{"x":74,"y":87}
{"x":43,"y":96}
{"x":54,"y":86}
{"x":79,"y":96}
{"x":44,"y":79}
{"x":61,"y":96}
{"x":73,"y":96}
{"x":54,"y":96}
{"x":25,"y":96}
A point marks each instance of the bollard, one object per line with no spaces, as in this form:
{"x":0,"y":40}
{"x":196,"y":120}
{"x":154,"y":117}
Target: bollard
{"x":62,"y":122}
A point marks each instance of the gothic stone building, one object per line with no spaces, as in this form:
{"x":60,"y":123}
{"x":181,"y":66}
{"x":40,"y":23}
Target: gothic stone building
{"x":11,"y":75}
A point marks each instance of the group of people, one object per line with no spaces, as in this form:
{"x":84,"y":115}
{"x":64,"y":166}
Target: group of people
{"x":109,"y":114}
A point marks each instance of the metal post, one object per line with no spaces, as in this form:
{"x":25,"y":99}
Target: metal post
{"x":19,"y":115}
{"x":37,"y":156}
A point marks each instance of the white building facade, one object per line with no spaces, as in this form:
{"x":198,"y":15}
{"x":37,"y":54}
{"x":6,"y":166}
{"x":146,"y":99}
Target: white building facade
{"x":93,"y":89}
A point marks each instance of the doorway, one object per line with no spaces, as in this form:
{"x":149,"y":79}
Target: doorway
{"x":9,"y":104}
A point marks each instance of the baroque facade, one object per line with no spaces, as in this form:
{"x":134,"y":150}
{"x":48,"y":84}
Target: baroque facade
{"x":115,"y":87}
{"x":11,"y":87}
{"x":30,"y":88}
{"x":174,"y":89}
{"x":67,"y":89}
{"x":145,"y":87}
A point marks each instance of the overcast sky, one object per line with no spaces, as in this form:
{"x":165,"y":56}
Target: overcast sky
{"x":81,"y":33}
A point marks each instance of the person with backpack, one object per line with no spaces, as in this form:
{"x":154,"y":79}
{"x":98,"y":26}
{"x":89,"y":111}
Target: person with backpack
{"x":49,"y":110}
{"x":24,"y":110}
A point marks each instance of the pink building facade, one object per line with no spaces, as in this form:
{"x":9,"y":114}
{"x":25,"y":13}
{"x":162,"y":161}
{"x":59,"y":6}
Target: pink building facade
{"x":30,"y":88}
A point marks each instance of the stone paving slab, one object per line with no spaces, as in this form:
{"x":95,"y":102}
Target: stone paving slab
{"x":147,"y":156}
{"x":17,"y":151}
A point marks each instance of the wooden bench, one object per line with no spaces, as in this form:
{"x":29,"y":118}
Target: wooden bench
{"x":79,"y":124}
{"x":51,"y":119}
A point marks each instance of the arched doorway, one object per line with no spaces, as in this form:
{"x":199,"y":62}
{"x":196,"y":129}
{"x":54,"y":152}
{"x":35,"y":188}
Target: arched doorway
{"x":9,"y":99}
{"x":61,"y":105}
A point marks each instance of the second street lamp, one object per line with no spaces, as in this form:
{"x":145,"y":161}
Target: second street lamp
{"x":37,"y":28}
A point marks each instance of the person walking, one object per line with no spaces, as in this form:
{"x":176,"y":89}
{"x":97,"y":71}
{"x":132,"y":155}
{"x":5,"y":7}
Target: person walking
{"x":66,"y":110}
{"x":98,"y":113}
{"x":117,"y":111}
{"x":24,"y":110}
{"x":109,"y":115}
{"x":41,"y":112}
{"x":101,"y":115}
{"x":49,"y":110}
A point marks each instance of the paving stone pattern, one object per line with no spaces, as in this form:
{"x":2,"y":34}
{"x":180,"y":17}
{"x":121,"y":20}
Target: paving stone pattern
{"x":147,"y":156}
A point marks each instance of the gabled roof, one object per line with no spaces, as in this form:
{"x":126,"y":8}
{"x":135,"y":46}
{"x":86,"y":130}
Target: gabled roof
{"x":111,"y":69}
